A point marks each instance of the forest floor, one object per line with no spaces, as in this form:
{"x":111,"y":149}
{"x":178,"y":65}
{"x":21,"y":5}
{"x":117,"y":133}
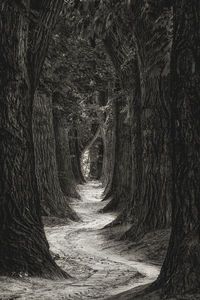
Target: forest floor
{"x":100,"y":266}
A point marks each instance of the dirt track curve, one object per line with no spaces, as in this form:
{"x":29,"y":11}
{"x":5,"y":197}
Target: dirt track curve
{"x":96,"y":264}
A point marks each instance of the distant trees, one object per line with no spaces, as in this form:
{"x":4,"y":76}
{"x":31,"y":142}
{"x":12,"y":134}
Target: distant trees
{"x":65,"y":111}
{"x":51,"y":133}
{"x":138,"y":47}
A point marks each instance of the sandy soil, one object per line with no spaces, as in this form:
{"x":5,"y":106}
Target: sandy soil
{"x":99,"y":267}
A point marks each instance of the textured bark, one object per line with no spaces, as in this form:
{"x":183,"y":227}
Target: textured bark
{"x":150,"y":129}
{"x":95,"y":137}
{"x":96,"y":159}
{"x":153,"y":210}
{"x":40,"y":30}
{"x":108,"y":137}
{"x":65,"y":173}
{"x":100,"y":160}
{"x":108,"y":133}
{"x":54,"y":203}
{"x":122,"y":168}
{"x":180,"y":271}
{"x":24,"y":248}
{"x":97,"y":150}
{"x":121,"y":185}
{"x":75,"y":156}
{"x":129,"y":212}
{"x":136,"y":144}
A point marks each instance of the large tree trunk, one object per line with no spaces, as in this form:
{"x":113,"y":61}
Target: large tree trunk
{"x":128,"y":162}
{"x":136,"y":147}
{"x":54,"y":203}
{"x":122,"y":187}
{"x":24,"y":248}
{"x":108,"y":133}
{"x":128,"y":211}
{"x":108,"y":130}
{"x":152,"y":211}
{"x":180,"y":271}
{"x":122,"y":168}
{"x":65,"y":173}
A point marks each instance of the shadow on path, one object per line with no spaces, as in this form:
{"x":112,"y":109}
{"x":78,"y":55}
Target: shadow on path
{"x":96,"y":264}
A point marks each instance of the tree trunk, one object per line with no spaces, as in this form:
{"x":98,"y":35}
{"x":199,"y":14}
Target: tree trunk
{"x":108,"y":137}
{"x":24,"y":248}
{"x":153,"y":209}
{"x":108,"y":133}
{"x":75,"y":156}
{"x":180,"y":271}
{"x":96,"y":159}
{"x":122,"y":168}
{"x":121,"y":186}
{"x":128,"y":212}
{"x":65,"y":173}
{"x":54,"y":203}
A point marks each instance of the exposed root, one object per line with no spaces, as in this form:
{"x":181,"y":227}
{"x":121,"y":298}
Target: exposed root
{"x":121,"y":219}
{"x":135,"y":233}
{"x":107,"y":195}
{"x":61,"y":209}
{"x":111,"y":206}
{"x":144,"y":292}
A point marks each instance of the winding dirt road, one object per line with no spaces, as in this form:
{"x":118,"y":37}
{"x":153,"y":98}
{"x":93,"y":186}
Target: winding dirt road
{"x":95,"y":263}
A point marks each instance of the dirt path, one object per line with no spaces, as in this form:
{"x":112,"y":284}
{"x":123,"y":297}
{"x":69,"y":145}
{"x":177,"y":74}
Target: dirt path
{"x":96,"y":264}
